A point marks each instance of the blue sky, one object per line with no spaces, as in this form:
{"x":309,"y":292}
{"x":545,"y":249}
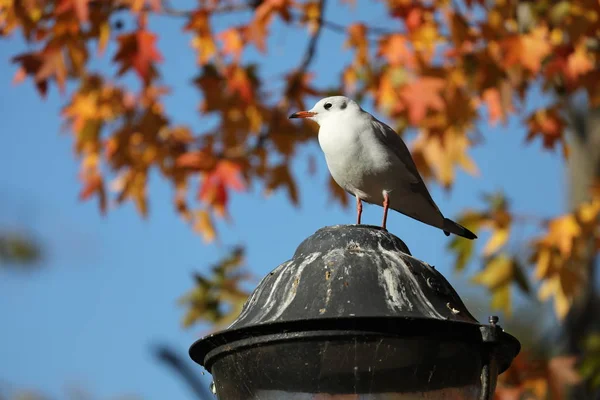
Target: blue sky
{"x":108,"y":286}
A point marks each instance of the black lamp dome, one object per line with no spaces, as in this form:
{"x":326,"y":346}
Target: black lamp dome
{"x":354,"y":312}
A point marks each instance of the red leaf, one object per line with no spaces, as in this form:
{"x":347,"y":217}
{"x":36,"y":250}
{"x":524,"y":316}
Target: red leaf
{"x":214,"y":188}
{"x":138,"y":51}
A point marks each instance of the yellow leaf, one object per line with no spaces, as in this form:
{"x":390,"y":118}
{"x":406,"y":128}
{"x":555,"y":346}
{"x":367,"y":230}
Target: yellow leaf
{"x":204,"y":226}
{"x":501,"y":299}
{"x":498,"y":271}
{"x":548,"y":287}
{"x":544,"y":260}
{"x":498,"y":239}
{"x":103,"y":37}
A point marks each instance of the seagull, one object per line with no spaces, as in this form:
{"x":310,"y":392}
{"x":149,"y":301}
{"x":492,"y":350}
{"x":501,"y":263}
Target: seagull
{"x":371,"y":162}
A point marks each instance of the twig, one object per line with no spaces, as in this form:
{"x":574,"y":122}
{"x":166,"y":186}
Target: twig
{"x":169,"y":357}
{"x":312,"y":44}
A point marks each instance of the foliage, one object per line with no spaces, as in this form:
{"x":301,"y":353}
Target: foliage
{"x":217,"y":299}
{"x":16,"y":248}
{"x":444,"y":67}
{"x":590,"y":365}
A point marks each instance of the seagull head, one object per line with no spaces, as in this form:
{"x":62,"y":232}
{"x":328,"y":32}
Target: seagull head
{"x":329,"y":108}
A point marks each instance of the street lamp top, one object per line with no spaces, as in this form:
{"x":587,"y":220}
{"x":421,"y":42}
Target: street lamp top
{"x":355,"y":278}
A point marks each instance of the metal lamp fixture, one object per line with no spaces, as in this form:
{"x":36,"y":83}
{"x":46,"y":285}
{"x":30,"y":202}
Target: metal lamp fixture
{"x":353,"y":316}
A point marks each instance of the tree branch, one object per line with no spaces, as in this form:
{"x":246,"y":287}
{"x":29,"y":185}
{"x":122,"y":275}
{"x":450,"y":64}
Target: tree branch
{"x":312,"y":44}
{"x":169,"y":357}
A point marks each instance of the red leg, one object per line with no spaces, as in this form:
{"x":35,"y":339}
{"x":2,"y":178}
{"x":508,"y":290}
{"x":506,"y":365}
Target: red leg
{"x":358,"y":210}
{"x":386,"y":205}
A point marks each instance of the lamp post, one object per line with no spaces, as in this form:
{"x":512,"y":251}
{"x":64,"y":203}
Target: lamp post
{"x":354,"y":316}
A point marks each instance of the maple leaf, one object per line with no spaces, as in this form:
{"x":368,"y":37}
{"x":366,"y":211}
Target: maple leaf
{"x":548,"y":124}
{"x":421,"y":95}
{"x":203,"y":224}
{"x":202,"y":41}
{"x":357,"y":39}
{"x":498,"y":101}
{"x":202,"y":160}
{"x":80,"y":7}
{"x":233,"y":42}
{"x":240,"y":82}
{"x":216,"y":183}
{"x":499,"y":273}
{"x":138,"y":5}
{"x":528,"y":50}
{"x":43,"y":65}
{"x":311,"y":14}
{"x":217,"y":297}
{"x":280,"y":176}
{"x":268,"y":8}
{"x":440,"y":155}
{"x":298,"y":87}
{"x":138,"y":51}
{"x":463,"y":247}
{"x":397,"y":50}
{"x":580,"y":62}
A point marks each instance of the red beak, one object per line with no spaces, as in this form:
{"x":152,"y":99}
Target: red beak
{"x":303,"y":114}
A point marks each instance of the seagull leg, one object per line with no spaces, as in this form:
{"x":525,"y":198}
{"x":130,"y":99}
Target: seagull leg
{"x":386,"y":205}
{"x":358,"y":210}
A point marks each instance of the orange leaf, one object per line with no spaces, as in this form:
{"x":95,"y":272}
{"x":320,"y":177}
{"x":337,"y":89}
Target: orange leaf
{"x":233,"y":42}
{"x":357,"y":39}
{"x":42,"y":66}
{"x":198,"y":160}
{"x":216,"y":183}
{"x":421,"y":95}
{"x":202,"y":41}
{"x":528,"y":50}
{"x":579,"y":62}
{"x":548,"y":124}
{"x":79,"y":6}
{"x":397,"y":50}
{"x":138,"y":51}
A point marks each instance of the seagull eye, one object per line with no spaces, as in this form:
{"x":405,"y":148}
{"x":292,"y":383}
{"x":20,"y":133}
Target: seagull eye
{"x":327,"y":106}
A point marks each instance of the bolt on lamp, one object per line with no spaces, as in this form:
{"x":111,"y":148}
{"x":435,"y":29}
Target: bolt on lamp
{"x":353,"y":316}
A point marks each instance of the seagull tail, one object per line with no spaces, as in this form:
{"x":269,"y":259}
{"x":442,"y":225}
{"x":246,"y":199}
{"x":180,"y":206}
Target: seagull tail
{"x":452,"y":227}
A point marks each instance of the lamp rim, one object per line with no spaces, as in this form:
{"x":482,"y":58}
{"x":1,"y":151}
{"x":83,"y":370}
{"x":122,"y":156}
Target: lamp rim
{"x":504,"y":346}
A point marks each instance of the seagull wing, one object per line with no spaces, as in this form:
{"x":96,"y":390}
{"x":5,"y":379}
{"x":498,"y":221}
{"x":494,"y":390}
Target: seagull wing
{"x":394,"y":142}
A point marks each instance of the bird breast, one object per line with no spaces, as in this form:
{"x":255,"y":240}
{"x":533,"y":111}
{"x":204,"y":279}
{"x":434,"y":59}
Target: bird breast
{"x":356,"y":161}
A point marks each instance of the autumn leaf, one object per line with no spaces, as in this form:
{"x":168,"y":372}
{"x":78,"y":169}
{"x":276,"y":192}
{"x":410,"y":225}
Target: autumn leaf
{"x":43,"y":66}
{"x":397,"y":50}
{"x":197,"y":160}
{"x":217,"y":183}
{"x":233,"y":42}
{"x":203,"y":41}
{"x":80,"y":7}
{"x":463,"y":247}
{"x":281,"y":176}
{"x":203,"y":224}
{"x":549,"y":125}
{"x":311,"y":14}
{"x":442,"y":154}
{"x":422,"y":95}
{"x":528,"y":50}
{"x":498,"y":102}
{"x":357,"y":40}
{"x":498,"y":275}
{"x":580,"y":62}
{"x":138,"y":51}
{"x":217,"y":297}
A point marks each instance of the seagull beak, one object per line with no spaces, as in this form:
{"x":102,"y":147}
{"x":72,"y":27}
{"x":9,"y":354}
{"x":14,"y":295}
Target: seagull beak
{"x":303,"y":114}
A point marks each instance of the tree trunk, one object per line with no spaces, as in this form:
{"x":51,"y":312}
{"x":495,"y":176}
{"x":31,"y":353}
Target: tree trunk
{"x":583,"y":171}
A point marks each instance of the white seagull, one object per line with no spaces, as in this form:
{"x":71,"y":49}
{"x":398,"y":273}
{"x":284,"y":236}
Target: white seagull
{"x":371,"y":162}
